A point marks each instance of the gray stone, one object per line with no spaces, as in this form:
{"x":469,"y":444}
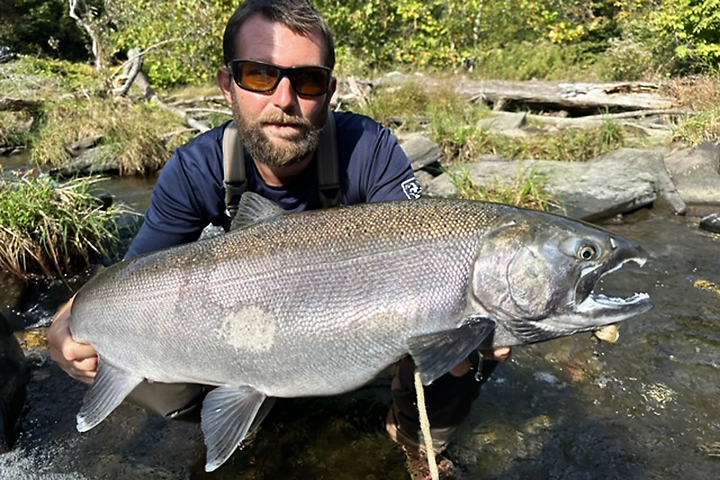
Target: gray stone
{"x":96,"y":160}
{"x":695,"y":173}
{"x":505,"y":123}
{"x":653,"y":162}
{"x":595,"y":190}
{"x":420,"y":150}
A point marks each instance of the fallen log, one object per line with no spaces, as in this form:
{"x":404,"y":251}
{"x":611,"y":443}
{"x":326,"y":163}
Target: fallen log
{"x":621,"y":96}
{"x":19,"y":104}
{"x":576,"y":98}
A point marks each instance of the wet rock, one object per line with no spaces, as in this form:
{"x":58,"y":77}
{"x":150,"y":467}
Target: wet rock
{"x":711,"y":223}
{"x":94,"y":161}
{"x":13,"y":383}
{"x":77,"y":148}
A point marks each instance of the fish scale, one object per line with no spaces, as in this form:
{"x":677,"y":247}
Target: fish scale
{"x":318,"y":303}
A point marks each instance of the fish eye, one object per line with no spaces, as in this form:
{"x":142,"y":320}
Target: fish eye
{"x":587,"y":252}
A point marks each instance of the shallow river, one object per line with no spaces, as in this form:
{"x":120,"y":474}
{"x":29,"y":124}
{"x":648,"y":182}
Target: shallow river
{"x":646,"y":407}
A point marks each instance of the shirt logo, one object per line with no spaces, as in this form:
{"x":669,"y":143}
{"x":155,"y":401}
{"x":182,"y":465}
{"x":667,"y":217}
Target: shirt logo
{"x":411,"y":188}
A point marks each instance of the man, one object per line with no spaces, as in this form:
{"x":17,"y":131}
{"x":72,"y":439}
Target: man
{"x":279,"y":56}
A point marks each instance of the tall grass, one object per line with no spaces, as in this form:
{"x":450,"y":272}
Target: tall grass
{"x":134,"y":134}
{"x":527,"y":190}
{"x":51,"y":229}
{"x":699,"y":94}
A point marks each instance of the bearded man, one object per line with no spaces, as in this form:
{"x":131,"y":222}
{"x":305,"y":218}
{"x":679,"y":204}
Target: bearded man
{"x":277,"y":76}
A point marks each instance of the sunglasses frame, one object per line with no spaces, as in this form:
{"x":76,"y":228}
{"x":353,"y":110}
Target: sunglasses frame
{"x":288,"y":72}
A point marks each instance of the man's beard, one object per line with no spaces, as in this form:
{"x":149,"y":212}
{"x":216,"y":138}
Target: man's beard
{"x":264,"y":150}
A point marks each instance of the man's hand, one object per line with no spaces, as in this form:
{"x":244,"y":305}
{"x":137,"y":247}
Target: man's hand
{"x":79,"y":360}
{"x":499,"y":355}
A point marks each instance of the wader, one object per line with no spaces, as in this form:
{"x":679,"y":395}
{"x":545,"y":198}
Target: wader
{"x":448,"y":399}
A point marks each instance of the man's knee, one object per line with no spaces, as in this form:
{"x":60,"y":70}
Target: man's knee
{"x":178,"y":401}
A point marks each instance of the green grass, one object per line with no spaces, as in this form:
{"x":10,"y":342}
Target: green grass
{"x":50,"y":229}
{"x":704,"y":126}
{"x":134,"y":133}
{"x":527,"y":190}
{"x":36,"y":78}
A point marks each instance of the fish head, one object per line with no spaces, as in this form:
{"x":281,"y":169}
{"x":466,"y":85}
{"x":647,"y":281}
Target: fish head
{"x":536,"y":274}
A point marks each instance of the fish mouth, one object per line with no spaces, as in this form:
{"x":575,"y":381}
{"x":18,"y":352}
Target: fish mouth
{"x":604,"y":309}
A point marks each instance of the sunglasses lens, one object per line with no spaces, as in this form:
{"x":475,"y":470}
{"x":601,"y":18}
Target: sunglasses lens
{"x":310,"y":80}
{"x":262,"y":77}
{"x":257,"y":76}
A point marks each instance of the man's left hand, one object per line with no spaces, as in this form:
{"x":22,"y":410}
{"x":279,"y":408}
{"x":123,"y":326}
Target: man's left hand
{"x":499,"y":355}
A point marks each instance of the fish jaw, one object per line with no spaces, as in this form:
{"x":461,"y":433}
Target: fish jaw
{"x":537,"y":276}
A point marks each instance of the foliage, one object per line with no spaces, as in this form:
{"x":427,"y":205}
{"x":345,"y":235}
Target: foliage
{"x":527,"y":190}
{"x":691,"y":28}
{"x":182,"y":39}
{"x":133,"y":134}
{"x":49,"y":229}
{"x":35,"y":27}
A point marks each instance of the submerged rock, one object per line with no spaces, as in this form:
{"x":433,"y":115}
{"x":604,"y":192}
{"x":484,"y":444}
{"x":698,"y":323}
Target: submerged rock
{"x":711,"y":223}
{"x":14,"y":378}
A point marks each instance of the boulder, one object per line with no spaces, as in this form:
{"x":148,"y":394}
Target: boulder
{"x":616,"y":183}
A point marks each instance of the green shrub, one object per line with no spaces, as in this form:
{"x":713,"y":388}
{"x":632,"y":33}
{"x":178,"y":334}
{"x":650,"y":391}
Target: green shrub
{"x":691,"y":28}
{"x":182,"y":38}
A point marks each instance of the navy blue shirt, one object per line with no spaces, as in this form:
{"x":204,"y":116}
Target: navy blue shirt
{"x":190,"y":193}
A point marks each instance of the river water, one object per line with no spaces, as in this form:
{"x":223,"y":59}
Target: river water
{"x":646,"y":407}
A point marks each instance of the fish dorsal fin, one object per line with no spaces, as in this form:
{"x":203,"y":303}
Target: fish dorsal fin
{"x":254,"y":208}
{"x":227,"y":415}
{"x":109,"y":389}
{"x":435,"y":354}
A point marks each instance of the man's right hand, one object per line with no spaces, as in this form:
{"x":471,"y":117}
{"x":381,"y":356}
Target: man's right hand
{"x":79,"y":360}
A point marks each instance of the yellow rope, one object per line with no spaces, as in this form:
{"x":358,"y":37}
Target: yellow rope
{"x":425,"y":426}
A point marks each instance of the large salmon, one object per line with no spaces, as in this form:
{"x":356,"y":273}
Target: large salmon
{"x":317,"y":303}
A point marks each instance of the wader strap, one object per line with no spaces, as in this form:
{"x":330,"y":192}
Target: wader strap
{"x":234,"y":169}
{"x":328,"y":169}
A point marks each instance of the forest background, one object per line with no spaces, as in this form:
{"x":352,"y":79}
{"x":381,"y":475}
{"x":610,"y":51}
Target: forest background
{"x":507,"y":39}
{"x":61,"y":62}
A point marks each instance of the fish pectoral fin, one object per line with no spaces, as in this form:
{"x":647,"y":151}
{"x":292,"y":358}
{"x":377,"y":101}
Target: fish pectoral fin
{"x":109,"y":389}
{"x":228,"y":413}
{"x":437,"y":353}
{"x":254,"y":208}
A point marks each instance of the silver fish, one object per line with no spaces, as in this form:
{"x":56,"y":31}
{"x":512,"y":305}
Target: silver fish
{"x":318,"y":303}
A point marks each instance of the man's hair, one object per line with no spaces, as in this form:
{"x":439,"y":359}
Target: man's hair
{"x":300,"y":16}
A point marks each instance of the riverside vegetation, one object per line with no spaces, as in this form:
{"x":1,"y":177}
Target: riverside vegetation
{"x":673,"y":42}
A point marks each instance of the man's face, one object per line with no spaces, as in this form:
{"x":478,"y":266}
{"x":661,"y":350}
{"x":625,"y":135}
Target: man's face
{"x":279,"y":127}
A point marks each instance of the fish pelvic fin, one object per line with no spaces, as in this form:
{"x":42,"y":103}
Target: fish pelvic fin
{"x":254,"y":208}
{"x":227,"y":416}
{"x":109,"y":389}
{"x":435,"y":354}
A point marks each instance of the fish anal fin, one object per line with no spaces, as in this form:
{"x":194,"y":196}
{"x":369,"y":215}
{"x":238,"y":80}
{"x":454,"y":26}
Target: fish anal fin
{"x":437,"y":353}
{"x":227,"y":415}
{"x":110,"y":388}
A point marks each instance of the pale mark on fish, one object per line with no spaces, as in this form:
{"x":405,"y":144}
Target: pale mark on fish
{"x":250,"y":329}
